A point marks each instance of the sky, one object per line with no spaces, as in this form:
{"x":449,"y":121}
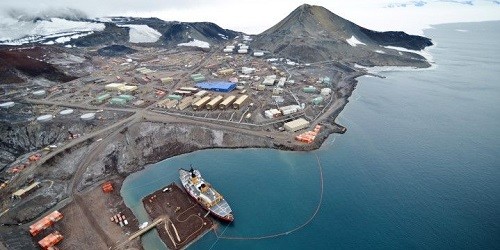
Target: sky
{"x":253,"y":17}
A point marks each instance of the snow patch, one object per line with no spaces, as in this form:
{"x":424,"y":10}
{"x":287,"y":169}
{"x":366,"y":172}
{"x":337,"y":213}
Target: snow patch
{"x":425,"y":53}
{"x":353,"y":41}
{"x":196,"y":43}
{"x":380,"y":51}
{"x":142,"y":33}
{"x":223,"y":36}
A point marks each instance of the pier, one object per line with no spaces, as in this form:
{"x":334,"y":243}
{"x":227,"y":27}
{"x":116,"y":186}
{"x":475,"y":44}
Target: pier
{"x":181,"y":219}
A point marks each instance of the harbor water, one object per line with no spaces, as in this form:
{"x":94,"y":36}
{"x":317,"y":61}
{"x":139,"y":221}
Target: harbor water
{"x":419,"y":166}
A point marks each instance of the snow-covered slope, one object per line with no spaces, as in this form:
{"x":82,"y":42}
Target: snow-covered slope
{"x":57,"y":30}
{"x":142,"y":33}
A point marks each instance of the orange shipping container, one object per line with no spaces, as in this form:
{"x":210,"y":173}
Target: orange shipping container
{"x":45,"y":222}
{"x":50,"y":240}
{"x":107,"y":187}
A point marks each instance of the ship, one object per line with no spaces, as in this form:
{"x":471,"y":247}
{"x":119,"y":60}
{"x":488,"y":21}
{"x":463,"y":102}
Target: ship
{"x":205,"y":194}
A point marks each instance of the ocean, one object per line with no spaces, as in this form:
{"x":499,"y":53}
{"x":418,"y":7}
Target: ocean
{"x":419,"y":166}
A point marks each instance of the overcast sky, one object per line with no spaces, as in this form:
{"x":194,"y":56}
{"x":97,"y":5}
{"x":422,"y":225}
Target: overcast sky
{"x":258,"y":15}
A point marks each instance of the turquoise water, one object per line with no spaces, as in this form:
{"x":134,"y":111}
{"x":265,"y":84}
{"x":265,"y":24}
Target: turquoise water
{"x":418,"y":168}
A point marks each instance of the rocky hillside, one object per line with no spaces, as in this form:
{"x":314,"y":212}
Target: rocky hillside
{"x":314,"y":34}
{"x":174,"y":33}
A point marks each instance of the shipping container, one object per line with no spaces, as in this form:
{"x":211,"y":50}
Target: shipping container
{"x":45,"y":222}
{"x":50,"y":240}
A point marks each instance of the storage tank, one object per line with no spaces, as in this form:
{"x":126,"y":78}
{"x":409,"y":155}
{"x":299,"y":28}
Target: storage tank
{"x":66,"y":112}
{"x":326,"y":91}
{"x":44,"y":118}
{"x":7,"y":105}
{"x":88,"y":116}
{"x":318,"y":100}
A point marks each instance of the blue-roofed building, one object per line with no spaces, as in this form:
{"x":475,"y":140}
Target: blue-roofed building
{"x":217,"y":86}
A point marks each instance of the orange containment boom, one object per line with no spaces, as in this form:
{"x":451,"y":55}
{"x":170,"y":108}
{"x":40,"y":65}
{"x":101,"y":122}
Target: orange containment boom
{"x":45,"y":222}
{"x":50,"y":240}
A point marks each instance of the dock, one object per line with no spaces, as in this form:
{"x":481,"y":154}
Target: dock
{"x":177,"y":217}
{"x":147,"y":228}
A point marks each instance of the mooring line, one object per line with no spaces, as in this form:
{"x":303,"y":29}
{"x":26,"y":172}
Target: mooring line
{"x":282,"y":233}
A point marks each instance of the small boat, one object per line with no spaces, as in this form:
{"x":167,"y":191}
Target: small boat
{"x":205,"y":194}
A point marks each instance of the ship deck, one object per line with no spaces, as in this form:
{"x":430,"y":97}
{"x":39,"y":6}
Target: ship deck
{"x":220,"y":208}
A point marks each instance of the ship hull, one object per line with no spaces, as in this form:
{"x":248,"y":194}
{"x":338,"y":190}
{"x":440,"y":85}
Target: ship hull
{"x":219,"y":208}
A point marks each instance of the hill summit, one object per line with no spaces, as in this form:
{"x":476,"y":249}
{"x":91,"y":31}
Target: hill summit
{"x":313,"y":33}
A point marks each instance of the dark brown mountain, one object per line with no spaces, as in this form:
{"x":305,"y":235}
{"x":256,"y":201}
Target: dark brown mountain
{"x":314,"y":34}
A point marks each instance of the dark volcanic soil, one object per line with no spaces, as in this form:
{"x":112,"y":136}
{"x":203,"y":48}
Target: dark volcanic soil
{"x":14,"y":64}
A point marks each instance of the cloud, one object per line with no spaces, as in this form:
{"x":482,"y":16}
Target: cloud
{"x":258,"y":15}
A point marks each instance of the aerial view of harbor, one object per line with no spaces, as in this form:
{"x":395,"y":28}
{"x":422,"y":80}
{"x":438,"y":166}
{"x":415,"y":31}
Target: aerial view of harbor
{"x":287,"y":125}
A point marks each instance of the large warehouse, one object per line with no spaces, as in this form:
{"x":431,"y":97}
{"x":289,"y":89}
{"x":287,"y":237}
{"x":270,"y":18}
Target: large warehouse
{"x":217,"y":86}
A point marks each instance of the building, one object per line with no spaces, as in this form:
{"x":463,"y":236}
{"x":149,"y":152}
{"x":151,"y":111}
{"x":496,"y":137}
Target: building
{"x":117,"y":101}
{"x":290,"y":109}
{"x":113,"y":86}
{"x":225,"y":72}
{"x":167,"y":80}
{"x":21,"y":193}
{"x":100,"y":99}
{"x":45,"y":222}
{"x":174,"y":97}
{"x":200,"y":104}
{"x":126,"y":97}
{"x":247,"y":70}
{"x":213,"y":104}
{"x":189,"y":89}
{"x":183,"y":92}
{"x":277,"y":91}
{"x":50,"y":240}
{"x":127,"y":88}
{"x":201,"y":93}
{"x":198,"y":77}
{"x":310,"y":89}
{"x":184,"y":103}
{"x":242,"y":51}
{"x":227,"y":102}
{"x":240,"y":101}
{"x":281,"y":82}
{"x":296,"y":125}
{"x":217,"y":86}
{"x":269,"y":80}
{"x":272,"y":113}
